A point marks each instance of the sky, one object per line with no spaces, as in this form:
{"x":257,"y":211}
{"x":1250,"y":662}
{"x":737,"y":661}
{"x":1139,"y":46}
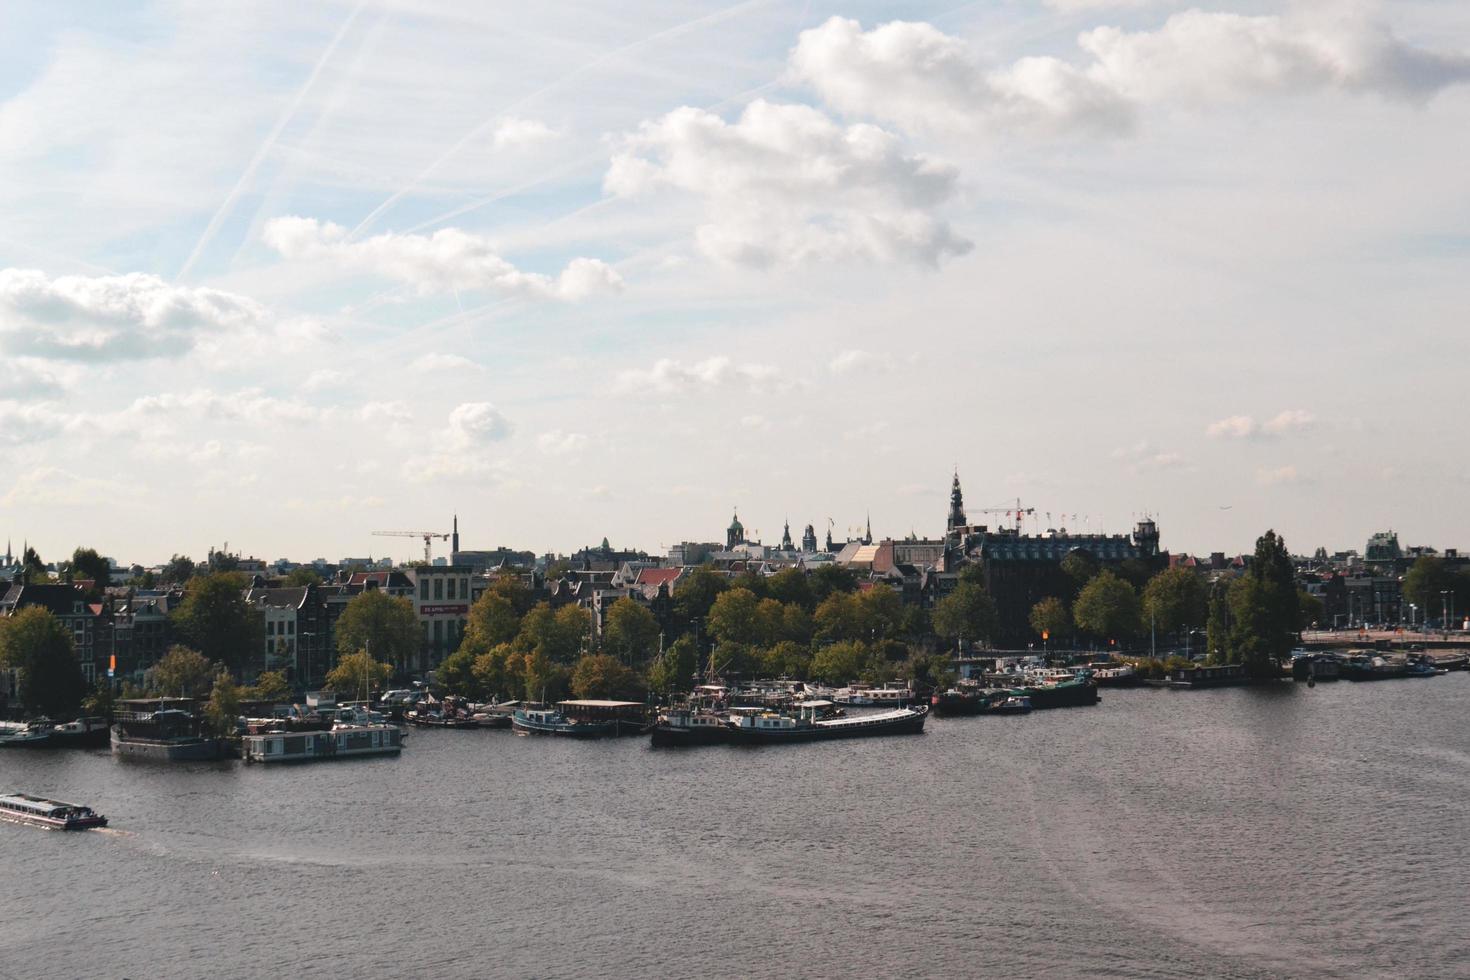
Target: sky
{"x":281,"y":274}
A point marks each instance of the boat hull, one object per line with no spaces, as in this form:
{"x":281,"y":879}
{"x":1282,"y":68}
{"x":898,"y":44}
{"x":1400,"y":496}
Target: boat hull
{"x":1069,"y":695}
{"x":910,"y":723}
{"x":566,"y":729}
{"x":673,"y":736}
{"x":170,"y":750}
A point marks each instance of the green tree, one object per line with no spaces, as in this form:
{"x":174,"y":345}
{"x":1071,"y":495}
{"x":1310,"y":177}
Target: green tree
{"x":35,"y":645}
{"x":796,"y":624}
{"x":100,"y":701}
{"x":181,"y":673}
{"x":786,"y":659}
{"x":492,"y":620}
{"x":733,"y":617}
{"x":1051,"y":619}
{"x":674,"y":670}
{"x":500,"y":672}
{"x":383,"y":625}
{"x":560,"y":634}
{"x":697,"y":593}
{"x":513,"y":590}
{"x":1080,"y":567}
{"x":840,"y":616}
{"x":215,"y":619}
{"x":223,"y":706}
{"x":1217,"y":629}
{"x":545,"y":680}
{"x":1266,"y":610}
{"x":598,"y":675}
{"x":271,"y":685}
{"x":831,"y":578}
{"x":790,"y":587}
{"x":882,"y":612}
{"x":32,"y":568}
{"x":1312,"y":610}
{"x":358,"y":674}
{"x":302,"y":576}
{"x":87,"y":564}
{"x":180,"y":569}
{"x":966,"y":615}
{"x":1108,"y":608}
{"x":629,"y":632}
{"x":1425,"y":582}
{"x":456,"y":675}
{"x":838,"y":663}
{"x":1176,"y":600}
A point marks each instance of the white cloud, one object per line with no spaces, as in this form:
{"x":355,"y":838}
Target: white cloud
{"x":475,"y":424}
{"x":1278,"y":476}
{"x":1291,"y":420}
{"x":389,"y":413}
{"x":1076,"y":6}
{"x":51,"y":486}
{"x":433,"y":362}
{"x":850,"y":361}
{"x":757,"y":422}
{"x":250,"y":405}
{"x":101,"y":318}
{"x":668,"y":375}
{"x":916,"y":76}
{"x":447,"y":260}
{"x":1234,"y":427}
{"x":20,"y":423}
{"x":1245,"y":427}
{"x":323,"y":378}
{"x":785,"y":184}
{"x":23,"y":380}
{"x":1144,"y":457}
{"x":514,"y":131}
{"x":559,"y":443}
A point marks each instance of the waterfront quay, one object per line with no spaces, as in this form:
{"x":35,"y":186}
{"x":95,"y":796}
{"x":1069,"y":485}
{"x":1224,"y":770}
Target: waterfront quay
{"x":1249,"y":832}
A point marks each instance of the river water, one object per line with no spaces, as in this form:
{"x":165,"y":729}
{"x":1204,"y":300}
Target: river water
{"x":1231,"y":833}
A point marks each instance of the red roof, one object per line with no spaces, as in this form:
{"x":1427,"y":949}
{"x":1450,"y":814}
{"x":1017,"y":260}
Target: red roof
{"x":658,"y":576}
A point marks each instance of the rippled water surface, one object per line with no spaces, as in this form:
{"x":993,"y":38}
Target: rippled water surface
{"x":1233,"y":833}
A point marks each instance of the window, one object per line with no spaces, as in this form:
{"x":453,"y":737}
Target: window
{"x":290,"y":627}
{"x":423,"y":588}
{"x":450,"y":587}
{"x":438,"y":588}
{"x":438,"y":632}
{"x":464,"y":588}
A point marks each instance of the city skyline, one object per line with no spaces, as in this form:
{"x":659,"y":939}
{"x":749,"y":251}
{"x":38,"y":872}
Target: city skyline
{"x":610,"y":272}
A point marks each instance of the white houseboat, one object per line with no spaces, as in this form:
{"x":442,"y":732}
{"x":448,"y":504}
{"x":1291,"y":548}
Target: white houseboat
{"x":341,"y":742}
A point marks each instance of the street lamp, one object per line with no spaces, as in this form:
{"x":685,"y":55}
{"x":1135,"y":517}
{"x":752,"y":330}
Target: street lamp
{"x":1444,"y":611}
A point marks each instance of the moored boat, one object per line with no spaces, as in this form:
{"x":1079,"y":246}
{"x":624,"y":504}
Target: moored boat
{"x":27,"y":735}
{"x":552,"y":721}
{"x":1078,"y":690}
{"x":857,"y":695}
{"x":81,"y":733}
{"x":690,"y":726}
{"x":341,"y":742}
{"x":165,"y":733}
{"x":806,"y":724}
{"x":51,"y":814}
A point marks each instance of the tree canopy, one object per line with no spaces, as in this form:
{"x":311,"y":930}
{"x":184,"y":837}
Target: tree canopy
{"x":1175,"y":599}
{"x":383,"y":625}
{"x":1051,"y":619}
{"x":181,"y":673}
{"x":358,"y":674}
{"x":215,"y":620}
{"x":87,"y":564}
{"x":629,"y":633}
{"x":599,"y":675}
{"x":34,"y":643}
{"x":1107,"y":608}
{"x":967,"y":614}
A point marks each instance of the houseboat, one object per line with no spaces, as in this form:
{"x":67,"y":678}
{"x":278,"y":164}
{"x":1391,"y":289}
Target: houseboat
{"x":164,"y":729}
{"x":341,"y":742}
{"x":808,"y":724}
{"x":582,"y":719}
{"x":1314,"y":667}
{"x":1077,"y":690}
{"x":51,"y":814}
{"x":690,"y":726}
{"x":1220,"y":675}
{"x":974,"y":701}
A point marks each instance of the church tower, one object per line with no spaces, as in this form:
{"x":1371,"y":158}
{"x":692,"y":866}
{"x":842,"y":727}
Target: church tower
{"x":868,"y":534}
{"x":809,"y":540}
{"x":735,"y":533}
{"x":957,"y":518}
{"x":454,"y":549}
{"x":786,"y":544}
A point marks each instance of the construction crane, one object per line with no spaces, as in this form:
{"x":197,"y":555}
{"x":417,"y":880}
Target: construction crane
{"x":1017,"y":512}
{"x":428,"y":537}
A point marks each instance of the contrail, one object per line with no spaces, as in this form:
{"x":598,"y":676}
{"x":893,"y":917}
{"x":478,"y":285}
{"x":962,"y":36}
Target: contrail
{"x":553,"y":86}
{"x":270,"y":141}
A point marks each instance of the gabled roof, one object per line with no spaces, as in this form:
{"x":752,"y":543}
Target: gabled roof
{"x":658,"y":576}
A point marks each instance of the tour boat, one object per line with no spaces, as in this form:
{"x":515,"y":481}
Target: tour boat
{"x":342,"y":742}
{"x":807,"y":724}
{"x":51,"y":814}
{"x":26,"y":735}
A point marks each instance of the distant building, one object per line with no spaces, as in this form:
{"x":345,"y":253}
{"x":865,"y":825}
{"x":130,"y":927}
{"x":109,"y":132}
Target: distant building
{"x":441,"y":601}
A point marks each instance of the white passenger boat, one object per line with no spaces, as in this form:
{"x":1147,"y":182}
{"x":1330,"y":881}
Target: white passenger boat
{"x":857,"y":695}
{"x":51,"y":814}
